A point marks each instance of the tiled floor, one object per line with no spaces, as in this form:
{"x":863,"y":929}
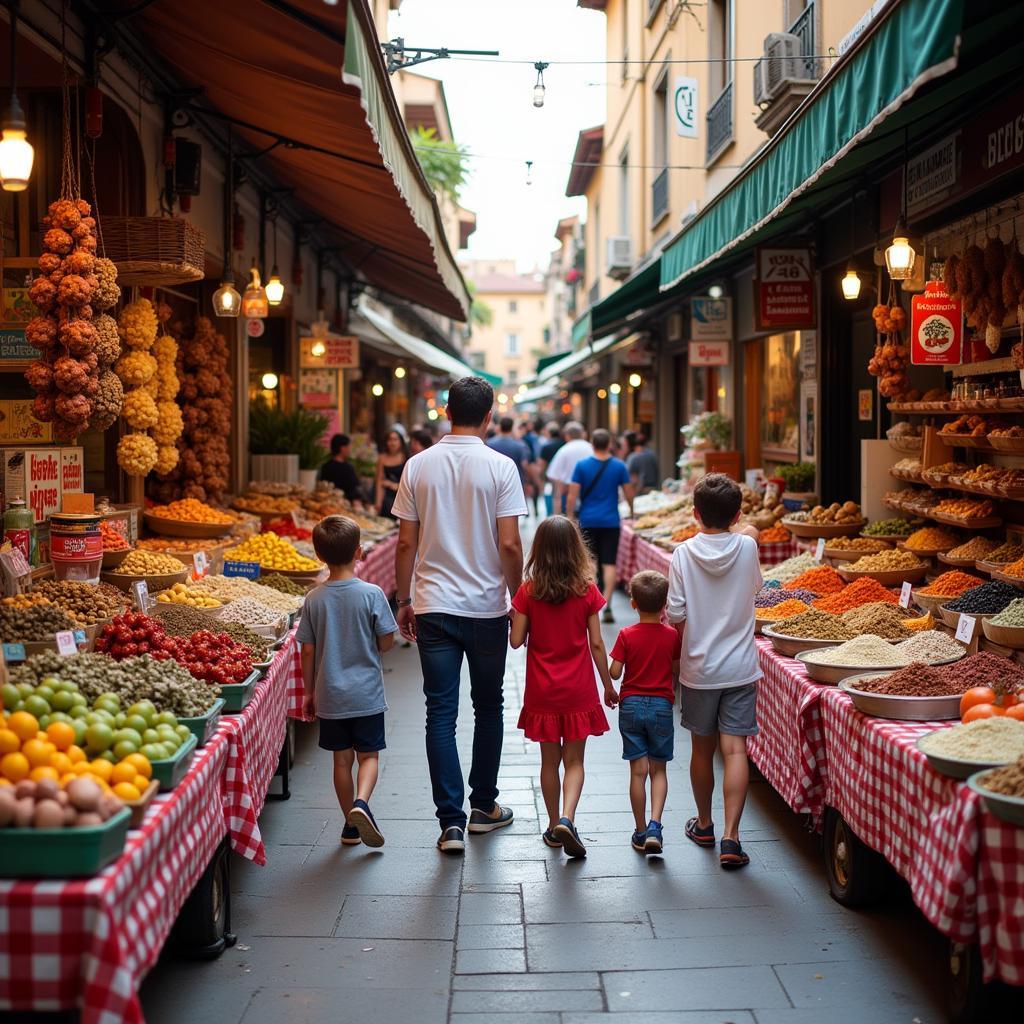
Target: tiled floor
{"x":516,"y":934}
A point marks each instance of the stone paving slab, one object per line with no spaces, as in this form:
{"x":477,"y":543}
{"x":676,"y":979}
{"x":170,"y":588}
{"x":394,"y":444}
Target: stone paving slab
{"x":274,"y":1005}
{"x":566,"y":982}
{"x":725,"y":988}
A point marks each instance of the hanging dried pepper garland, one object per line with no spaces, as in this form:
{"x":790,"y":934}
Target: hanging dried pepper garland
{"x":889,"y":362}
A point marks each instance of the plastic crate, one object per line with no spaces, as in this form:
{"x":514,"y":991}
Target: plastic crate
{"x":204,"y":726}
{"x":62,"y":852}
{"x":172,"y":770}
{"x":237,"y":695}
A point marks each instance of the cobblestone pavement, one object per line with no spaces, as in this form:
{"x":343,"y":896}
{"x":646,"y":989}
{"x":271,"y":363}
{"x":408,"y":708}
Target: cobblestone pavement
{"x":516,"y":934}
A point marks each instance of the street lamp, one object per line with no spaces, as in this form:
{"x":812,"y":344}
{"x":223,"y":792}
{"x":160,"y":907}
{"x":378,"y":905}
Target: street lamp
{"x":635,"y":380}
{"x":377,"y":390}
{"x":270,"y":381}
{"x":16,"y":153}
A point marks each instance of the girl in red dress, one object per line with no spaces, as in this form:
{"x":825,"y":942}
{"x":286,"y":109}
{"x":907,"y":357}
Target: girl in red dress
{"x":557,"y":609}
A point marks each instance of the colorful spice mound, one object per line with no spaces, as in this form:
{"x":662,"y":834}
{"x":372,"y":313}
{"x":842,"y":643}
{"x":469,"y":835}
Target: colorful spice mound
{"x":1015,"y":569}
{"x":985,"y":669}
{"x":1009,"y":781}
{"x":887,"y":561}
{"x":990,"y":740}
{"x":1011,"y":615}
{"x":882,"y":619}
{"x":1008,"y":552}
{"x":984,"y":600}
{"x":867,"y":651}
{"x":977,"y":548}
{"x":791,"y":568}
{"x":821,"y":580}
{"x":916,"y":680}
{"x":775,"y":535}
{"x":815,"y":625}
{"x":889,"y":528}
{"x":862,"y":591}
{"x":951,"y":584}
{"x":784,"y":610}
{"x":931,"y":538}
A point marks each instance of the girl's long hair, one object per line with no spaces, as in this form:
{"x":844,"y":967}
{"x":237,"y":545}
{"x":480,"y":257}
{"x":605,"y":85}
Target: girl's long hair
{"x":559,"y":566}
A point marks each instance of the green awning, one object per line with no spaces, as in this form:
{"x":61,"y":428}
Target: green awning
{"x":546,"y":361}
{"x":915,"y":42}
{"x":581,"y":330}
{"x":636,"y":293}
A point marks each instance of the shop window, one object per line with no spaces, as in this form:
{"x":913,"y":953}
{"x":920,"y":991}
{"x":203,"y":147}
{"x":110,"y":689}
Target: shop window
{"x":780,"y":390}
{"x":511,"y":344}
{"x":513,"y":306}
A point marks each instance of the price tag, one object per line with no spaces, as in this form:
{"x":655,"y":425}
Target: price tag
{"x":250,"y":570}
{"x":905,"y":592}
{"x":80,"y":636}
{"x":140,"y":594}
{"x":199,"y":564}
{"x":14,"y":652}
{"x":66,"y":643}
{"x":296,"y":517}
{"x":819,"y":549}
{"x":965,"y":628}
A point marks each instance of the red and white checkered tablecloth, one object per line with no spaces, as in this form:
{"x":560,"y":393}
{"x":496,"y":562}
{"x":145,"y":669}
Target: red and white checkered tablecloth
{"x":625,"y":562}
{"x":379,"y":565}
{"x":777,"y":553}
{"x":649,"y":556}
{"x":636,"y":554}
{"x":965,"y":867}
{"x":789,"y":749}
{"x":87,"y":943}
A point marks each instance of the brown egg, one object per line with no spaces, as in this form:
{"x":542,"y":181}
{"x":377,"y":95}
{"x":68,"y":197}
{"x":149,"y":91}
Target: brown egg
{"x":88,"y":818}
{"x":25,"y":788}
{"x":84,"y":794}
{"x":46,"y":789}
{"x":8,"y":806}
{"x":62,"y":798}
{"x":70,"y":816}
{"x":48,"y":814}
{"x":23,"y":812}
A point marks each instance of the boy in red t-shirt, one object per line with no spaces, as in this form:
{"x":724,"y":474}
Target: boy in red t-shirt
{"x":649,"y":652}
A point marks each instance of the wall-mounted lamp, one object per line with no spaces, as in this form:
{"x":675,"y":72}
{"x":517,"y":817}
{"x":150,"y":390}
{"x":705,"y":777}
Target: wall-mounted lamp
{"x":399,"y":372}
{"x":269,"y":381}
{"x":615,"y":388}
{"x":377,"y":390}
{"x":635,"y":380}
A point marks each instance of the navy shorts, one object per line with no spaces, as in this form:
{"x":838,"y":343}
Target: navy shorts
{"x":647,"y":728}
{"x":366,"y":733}
{"x":602,"y":542}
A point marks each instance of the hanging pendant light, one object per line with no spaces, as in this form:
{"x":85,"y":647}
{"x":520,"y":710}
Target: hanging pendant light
{"x":275,"y":286}
{"x":900,"y":256}
{"x":226,"y":300}
{"x":538,"y":88}
{"x":851,"y":283}
{"x":16,"y":153}
{"x":255,"y":305}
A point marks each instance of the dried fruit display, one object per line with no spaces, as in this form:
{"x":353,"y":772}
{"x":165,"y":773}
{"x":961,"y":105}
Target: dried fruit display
{"x":890,"y":358}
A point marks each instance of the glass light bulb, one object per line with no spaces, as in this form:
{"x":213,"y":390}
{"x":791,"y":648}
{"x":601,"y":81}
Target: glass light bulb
{"x":275,"y":288}
{"x":378,"y":390}
{"x":635,"y":380}
{"x":399,"y":372}
{"x":851,"y":284}
{"x":716,"y":291}
{"x":270,"y":381}
{"x":899,"y":258}
{"x":538,"y":94}
{"x":615,"y":388}
{"x":226,"y":300}
{"x":431,"y":414}
{"x":601,"y":393}
{"x":318,"y":349}
{"x":16,"y":156}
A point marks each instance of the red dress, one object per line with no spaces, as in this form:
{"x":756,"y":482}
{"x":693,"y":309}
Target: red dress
{"x":561,"y":700}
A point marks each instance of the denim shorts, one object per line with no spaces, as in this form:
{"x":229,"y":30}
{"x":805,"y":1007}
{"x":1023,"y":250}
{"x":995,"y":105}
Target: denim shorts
{"x":647,"y":728}
{"x":365,"y":733}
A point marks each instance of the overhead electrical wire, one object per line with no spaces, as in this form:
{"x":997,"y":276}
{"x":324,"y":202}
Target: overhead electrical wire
{"x":588,"y":163}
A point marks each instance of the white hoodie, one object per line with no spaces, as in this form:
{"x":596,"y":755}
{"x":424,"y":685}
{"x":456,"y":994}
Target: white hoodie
{"x":711,"y":587}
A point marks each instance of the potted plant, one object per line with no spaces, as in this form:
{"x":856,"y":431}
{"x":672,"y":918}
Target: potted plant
{"x":286,"y":446}
{"x":799,"y":478}
{"x":707,"y":431}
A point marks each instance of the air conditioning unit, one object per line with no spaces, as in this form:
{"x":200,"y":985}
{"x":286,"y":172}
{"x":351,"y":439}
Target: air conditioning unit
{"x":620,"y":256}
{"x":782,"y":62}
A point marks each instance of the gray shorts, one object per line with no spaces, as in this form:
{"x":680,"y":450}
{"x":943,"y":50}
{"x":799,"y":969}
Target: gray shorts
{"x":732,"y":710}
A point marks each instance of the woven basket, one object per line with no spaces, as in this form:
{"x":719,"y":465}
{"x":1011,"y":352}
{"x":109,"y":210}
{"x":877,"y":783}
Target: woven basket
{"x":154,"y":250}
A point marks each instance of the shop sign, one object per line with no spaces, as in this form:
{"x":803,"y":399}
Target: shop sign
{"x":710,"y":319}
{"x":709,"y":353}
{"x":639,"y":354}
{"x":72,"y":471}
{"x":645,"y":409}
{"x":255,"y":327}
{"x":14,"y":348}
{"x":785,"y":289}
{"x":341,"y":351}
{"x":936,"y":327}
{"x":248,"y":570}
{"x":931,"y":175}
{"x":318,"y":388}
{"x":18,"y":425}
{"x":684,"y":104}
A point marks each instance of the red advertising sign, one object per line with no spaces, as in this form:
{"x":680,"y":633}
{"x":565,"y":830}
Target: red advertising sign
{"x":936,"y":327}
{"x":785,"y":289}
{"x":709,"y":353}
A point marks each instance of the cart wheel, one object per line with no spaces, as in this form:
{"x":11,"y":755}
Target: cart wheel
{"x":855,"y":872}
{"x":203,"y":928}
{"x":968,"y":996}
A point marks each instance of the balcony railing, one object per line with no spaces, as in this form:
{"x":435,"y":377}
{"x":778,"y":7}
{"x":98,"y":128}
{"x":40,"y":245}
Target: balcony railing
{"x":719,"y":122}
{"x":594,"y":295}
{"x":659,"y":196}
{"x":803,"y":29}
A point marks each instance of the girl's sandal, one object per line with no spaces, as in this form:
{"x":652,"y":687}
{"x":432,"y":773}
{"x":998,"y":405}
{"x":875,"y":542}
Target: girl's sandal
{"x":732,"y":855}
{"x":550,"y":839}
{"x":701,"y":836}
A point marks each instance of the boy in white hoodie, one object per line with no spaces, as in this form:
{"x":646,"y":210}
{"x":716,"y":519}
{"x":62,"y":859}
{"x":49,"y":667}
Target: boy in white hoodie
{"x":712,"y":582}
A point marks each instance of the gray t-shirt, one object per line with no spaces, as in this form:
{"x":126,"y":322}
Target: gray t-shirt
{"x":643,"y":464}
{"x":343,"y":619}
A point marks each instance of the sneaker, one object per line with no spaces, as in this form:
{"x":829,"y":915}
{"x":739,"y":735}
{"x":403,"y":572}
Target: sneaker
{"x":608,"y":616}
{"x":732,"y":856}
{"x":565,"y":832}
{"x":365,"y":824}
{"x":653,"y":843}
{"x":350,"y":835}
{"x":550,"y":839}
{"x":638,"y":840}
{"x":452,"y":840}
{"x":481,"y":821}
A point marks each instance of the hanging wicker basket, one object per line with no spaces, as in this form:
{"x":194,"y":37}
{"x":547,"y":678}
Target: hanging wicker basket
{"x":154,"y":250}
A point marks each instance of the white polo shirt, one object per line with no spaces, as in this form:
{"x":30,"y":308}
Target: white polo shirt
{"x":457,"y":490}
{"x":566,"y":458}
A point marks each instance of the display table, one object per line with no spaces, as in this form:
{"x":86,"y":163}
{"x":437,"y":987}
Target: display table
{"x":965,"y":867}
{"x":379,"y":564}
{"x":87,"y":943}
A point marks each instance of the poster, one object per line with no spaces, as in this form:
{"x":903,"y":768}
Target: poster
{"x":710,"y":319}
{"x":936,"y":327}
{"x":318,"y":388}
{"x":784,"y":289}
{"x":865,"y":405}
{"x":808,"y":420}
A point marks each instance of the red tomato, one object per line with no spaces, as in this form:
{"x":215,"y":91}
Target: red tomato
{"x":983,"y":711}
{"x":1017,"y":711}
{"x":976,"y":695}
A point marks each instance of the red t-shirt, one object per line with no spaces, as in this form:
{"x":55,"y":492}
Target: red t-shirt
{"x":647,"y":649}
{"x":559,"y":667}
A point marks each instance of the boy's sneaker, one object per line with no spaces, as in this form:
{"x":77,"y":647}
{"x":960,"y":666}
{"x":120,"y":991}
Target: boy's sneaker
{"x":350,"y":835}
{"x":732,"y":856}
{"x":551,"y":840}
{"x":365,"y":825}
{"x":638,"y":841}
{"x":653,"y":843}
{"x":452,"y":840}
{"x":481,"y":821}
{"x":565,"y":832}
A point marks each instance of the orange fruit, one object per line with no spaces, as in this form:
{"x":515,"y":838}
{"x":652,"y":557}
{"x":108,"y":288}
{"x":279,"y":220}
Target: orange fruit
{"x":61,"y":762}
{"x":9,"y":741}
{"x":23,"y":725}
{"x":44,"y":771}
{"x":81,"y":768}
{"x":76,"y":753}
{"x":5,"y":782}
{"x":37,"y":752}
{"x":60,"y":734}
{"x":123,"y":772}
{"x":142,"y":765}
{"x":101,"y":769}
{"x":15,"y":766}
{"x":140,"y":782}
{"x":66,"y":778}
{"x":126,"y":791}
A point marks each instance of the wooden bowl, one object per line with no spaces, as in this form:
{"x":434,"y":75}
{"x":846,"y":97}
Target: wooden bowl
{"x":1007,"y":636}
{"x":175,"y":528}
{"x":952,"y":619}
{"x":1004,"y":577}
{"x":824,"y":529}
{"x":112,"y":559}
{"x":926,"y":552}
{"x":959,"y":563}
{"x":155,"y":583}
{"x":975,"y":523}
{"x":932,"y":603}
{"x":887,"y":577}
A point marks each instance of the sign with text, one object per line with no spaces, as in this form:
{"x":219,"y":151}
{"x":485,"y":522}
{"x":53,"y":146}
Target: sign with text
{"x":340,"y":351}
{"x":250,"y":570}
{"x":318,"y":388}
{"x":684,"y":104}
{"x":819,"y":549}
{"x":199,"y":564}
{"x":710,"y":319}
{"x":14,"y":652}
{"x":709,"y":353}
{"x":66,"y":645}
{"x":936,"y":327}
{"x":905,"y":592}
{"x":140,"y":596}
{"x":785,"y":289}
{"x":931,"y":175}
{"x":14,"y":348}
{"x":965,"y":628}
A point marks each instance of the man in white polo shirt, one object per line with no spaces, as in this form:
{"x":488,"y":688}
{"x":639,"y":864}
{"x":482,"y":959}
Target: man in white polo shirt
{"x":458,"y":507}
{"x":575,"y":449}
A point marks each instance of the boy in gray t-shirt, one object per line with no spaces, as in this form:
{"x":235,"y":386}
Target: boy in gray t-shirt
{"x":346,"y":626}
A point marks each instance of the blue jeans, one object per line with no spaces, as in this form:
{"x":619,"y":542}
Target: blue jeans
{"x":443,"y":641}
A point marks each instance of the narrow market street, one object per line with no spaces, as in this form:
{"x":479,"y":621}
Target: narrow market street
{"x":516,"y":933}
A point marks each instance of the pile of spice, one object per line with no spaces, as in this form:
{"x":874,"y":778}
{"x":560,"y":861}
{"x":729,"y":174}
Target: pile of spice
{"x":977,"y":548}
{"x":985,"y":669}
{"x":815,"y":625}
{"x":990,"y":740}
{"x":931,"y":646}
{"x":771,"y":594}
{"x":1011,"y":615}
{"x":862,"y":591}
{"x":865,"y":545}
{"x":926,"y":621}
{"x":984,"y":600}
{"x":882,"y":619}
{"x":788,"y":570}
{"x":823,"y":579}
{"x":775,"y":535}
{"x":1015,"y":569}
{"x":783,"y":610}
{"x":867,"y":651}
{"x":916,"y":680}
{"x":1008,"y":552}
{"x":931,"y":538}
{"x":951,"y":584}
{"x":889,"y":528}
{"x":1009,"y":780}
{"x":887,"y":561}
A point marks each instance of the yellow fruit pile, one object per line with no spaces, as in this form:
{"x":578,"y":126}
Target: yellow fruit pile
{"x":272,"y":552}
{"x":148,"y":563}
{"x":182,"y":594}
{"x":190,"y":510}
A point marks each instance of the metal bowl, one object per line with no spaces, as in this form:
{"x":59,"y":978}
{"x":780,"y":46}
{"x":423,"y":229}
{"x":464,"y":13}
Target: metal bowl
{"x":835,"y":674}
{"x":1007,"y":808}
{"x":904,"y":709}
{"x":954,"y":767}
{"x":791,"y":646}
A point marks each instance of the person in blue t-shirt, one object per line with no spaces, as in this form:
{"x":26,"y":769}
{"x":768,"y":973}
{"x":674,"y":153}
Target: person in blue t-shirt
{"x":595,"y":486}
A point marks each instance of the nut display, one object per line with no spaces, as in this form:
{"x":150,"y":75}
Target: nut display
{"x":84,"y":603}
{"x":35,"y":622}
{"x":976,"y":549}
{"x":271,"y":552}
{"x":148,"y":563}
{"x":848,"y":512}
{"x":282,"y":584}
{"x":249,"y":612}
{"x":966,"y":508}
{"x":1010,"y":551}
{"x":865,"y":545}
{"x":887,"y":561}
{"x":191,"y":510}
{"x":183,"y":594}
{"x":233,"y":588}
{"x":889,"y":528}
{"x":265,"y":503}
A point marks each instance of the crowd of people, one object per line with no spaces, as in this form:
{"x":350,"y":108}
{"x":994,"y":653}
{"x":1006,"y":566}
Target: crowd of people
{"x":465,"y":595}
